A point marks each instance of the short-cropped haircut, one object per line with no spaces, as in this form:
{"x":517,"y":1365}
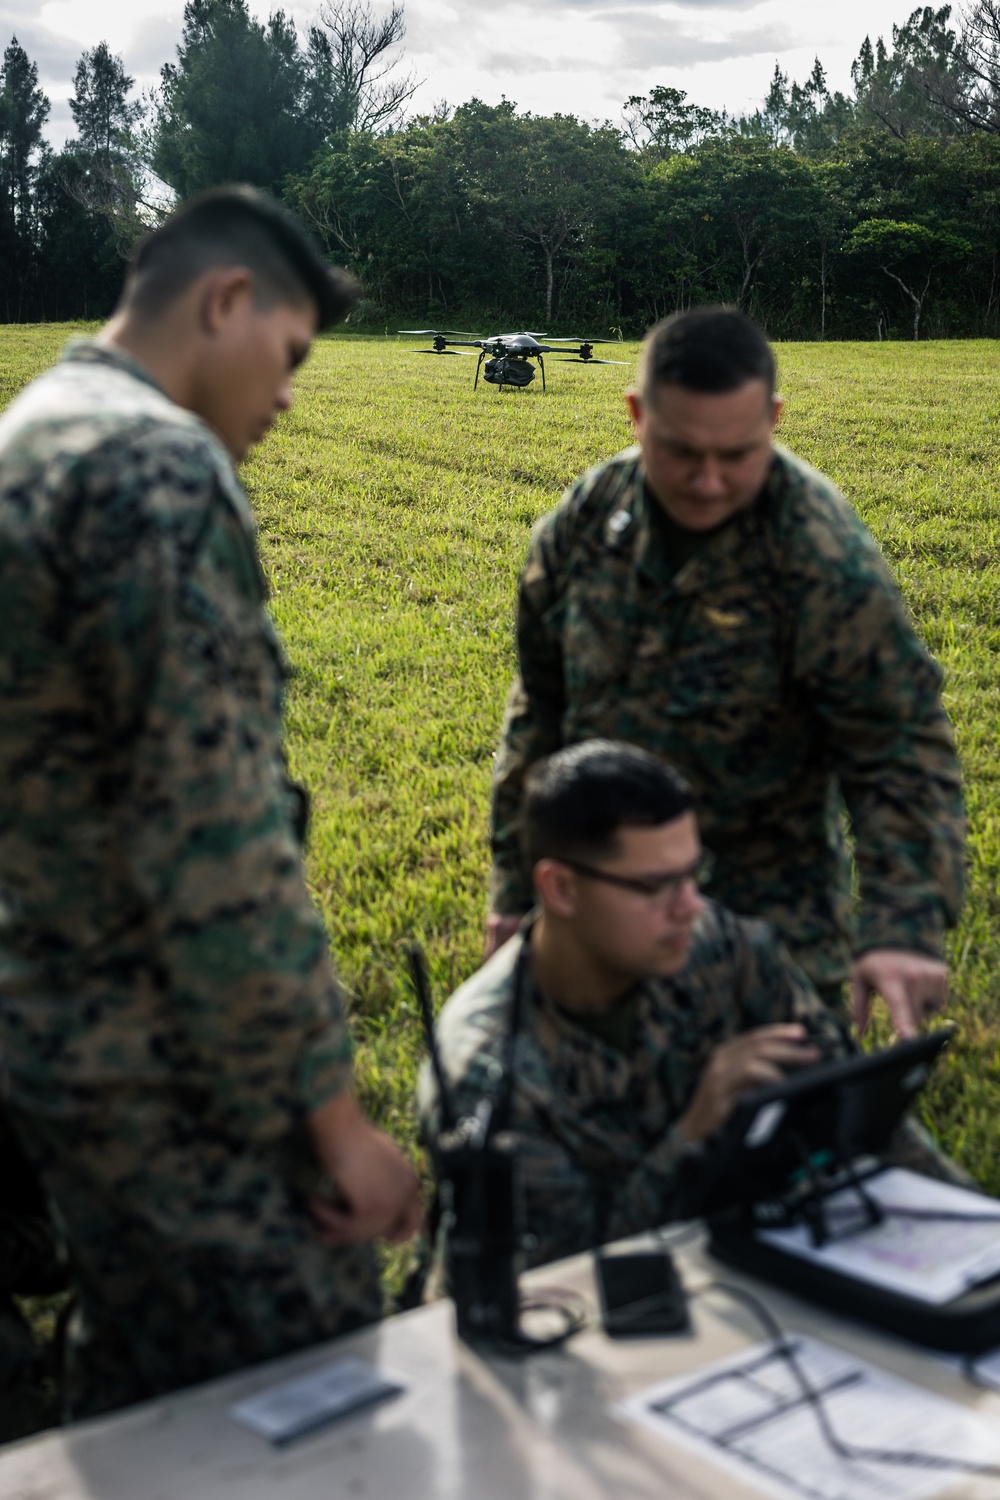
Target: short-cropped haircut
{"x":577,"y":800}
{"x":710,"y":349}
{"x":236,"y":226}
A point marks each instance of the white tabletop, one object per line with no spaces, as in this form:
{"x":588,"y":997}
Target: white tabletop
{"x":467,"y":1427}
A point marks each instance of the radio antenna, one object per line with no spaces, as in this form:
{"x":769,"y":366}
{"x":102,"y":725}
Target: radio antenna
{"x":418,"y":973}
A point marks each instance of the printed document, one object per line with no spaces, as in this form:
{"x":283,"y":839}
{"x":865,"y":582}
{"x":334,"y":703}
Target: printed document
{"x":750,"y":1415}
{"x":933,"y":1260}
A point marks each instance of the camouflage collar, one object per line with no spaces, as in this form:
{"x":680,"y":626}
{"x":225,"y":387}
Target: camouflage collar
{"x":90,"y":352}
{"x":728,"y":548}
{"x":554,"y":1029}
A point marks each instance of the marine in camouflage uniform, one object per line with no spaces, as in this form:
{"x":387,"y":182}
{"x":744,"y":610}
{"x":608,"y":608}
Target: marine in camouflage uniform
{"x":168,"y":1013}
{"x":776,"y":668}
{"x":600,"y":1151}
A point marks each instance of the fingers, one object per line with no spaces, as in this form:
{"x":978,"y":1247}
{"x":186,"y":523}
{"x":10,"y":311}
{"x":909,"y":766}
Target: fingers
{"x":913,"y":986}
{"x":787,"y":1054}
{"x":334,"y":1226}
{"x":861,"y":1003}
{"x":785,"y":1045}
{"x":751,"y":1061}
{"x":338,"y":1227}
{"x":410,"y":1223}
{"x":906,"y":1016}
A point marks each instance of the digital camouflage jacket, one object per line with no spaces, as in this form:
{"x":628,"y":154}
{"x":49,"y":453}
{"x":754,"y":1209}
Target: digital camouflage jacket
{"x":156,"y":929}
{"x":600,"y":1150}
{"x":778,"y":671}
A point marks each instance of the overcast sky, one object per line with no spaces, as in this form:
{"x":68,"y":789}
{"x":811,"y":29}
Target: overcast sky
{"x":582,"y":57}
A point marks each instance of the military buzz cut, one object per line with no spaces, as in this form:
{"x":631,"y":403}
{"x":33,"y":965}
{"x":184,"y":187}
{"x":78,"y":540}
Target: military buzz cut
{"x":578,"y":799}
{"x":236,"y":226}
{"x":710,"y":349}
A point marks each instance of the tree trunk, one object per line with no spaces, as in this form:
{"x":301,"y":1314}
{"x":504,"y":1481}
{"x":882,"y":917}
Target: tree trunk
{"x":549,"y":278}
{"x":918,"y":301}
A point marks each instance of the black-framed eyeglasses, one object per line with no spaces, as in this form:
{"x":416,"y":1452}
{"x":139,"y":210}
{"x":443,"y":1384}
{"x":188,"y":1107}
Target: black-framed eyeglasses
{"x":670,"y":883}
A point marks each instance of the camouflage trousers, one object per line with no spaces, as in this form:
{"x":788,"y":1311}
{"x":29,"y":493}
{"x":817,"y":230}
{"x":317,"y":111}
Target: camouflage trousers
{"x":190,"y":1255}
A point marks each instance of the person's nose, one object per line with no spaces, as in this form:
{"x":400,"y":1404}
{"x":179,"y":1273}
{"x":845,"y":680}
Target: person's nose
{"x":708,"y":481}
{"x":688,"y":903}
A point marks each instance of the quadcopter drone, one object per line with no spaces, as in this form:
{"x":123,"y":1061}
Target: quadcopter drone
{"x":508,"y":356}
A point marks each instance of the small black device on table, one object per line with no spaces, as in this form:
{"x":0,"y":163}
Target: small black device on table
{"x":641,"y":1294}
{"x":787,"y":1149}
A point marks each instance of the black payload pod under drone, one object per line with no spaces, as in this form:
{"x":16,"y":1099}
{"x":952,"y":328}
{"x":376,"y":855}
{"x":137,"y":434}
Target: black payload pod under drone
{"x":508,"y":356}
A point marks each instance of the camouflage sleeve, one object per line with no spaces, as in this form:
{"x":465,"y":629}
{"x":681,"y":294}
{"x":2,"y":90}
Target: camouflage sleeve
{"x":533,"y":719}
{"x":769,"y":987}
{"x":878,"y":693}
{"x":192,"y":675}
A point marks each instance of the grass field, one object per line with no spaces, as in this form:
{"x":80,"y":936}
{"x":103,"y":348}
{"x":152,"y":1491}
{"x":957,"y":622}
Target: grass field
{"x":395,"y":506}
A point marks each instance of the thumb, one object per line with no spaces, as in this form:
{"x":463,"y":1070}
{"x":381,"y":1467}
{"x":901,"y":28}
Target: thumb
{"x":861,"y":997}
{"x":897,"y":998}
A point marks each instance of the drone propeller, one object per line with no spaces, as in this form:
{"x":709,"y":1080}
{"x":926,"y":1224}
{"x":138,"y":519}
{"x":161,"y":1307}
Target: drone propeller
{"x":466,"y":352}
{"x":434,"y":333}
{"x":574,"y":359}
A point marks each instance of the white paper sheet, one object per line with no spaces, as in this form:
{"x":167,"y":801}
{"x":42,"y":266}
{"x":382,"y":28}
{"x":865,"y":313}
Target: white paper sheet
{"x":749,"y":1415}
{"x":295,"y":1407}
{"x":932,"y":1260}
{"x":985,"y":1369}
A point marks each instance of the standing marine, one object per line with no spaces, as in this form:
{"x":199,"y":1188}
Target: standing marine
{"x":710,"y":597}
{"x":175,"y":1059}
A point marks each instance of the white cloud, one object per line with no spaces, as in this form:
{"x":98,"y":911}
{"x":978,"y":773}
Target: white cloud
{"x":578,"y":56}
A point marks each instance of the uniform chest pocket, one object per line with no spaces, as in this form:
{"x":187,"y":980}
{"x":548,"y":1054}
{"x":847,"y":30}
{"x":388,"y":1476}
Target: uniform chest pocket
{"x":595,"y":622}
{"x":726,"y":666}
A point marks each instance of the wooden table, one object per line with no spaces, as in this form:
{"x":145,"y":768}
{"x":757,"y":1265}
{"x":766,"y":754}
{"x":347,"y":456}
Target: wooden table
{"x":467,"y":1427}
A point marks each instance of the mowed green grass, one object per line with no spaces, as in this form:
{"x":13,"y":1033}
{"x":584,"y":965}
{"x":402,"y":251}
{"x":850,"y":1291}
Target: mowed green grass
{"x":395,"y":505}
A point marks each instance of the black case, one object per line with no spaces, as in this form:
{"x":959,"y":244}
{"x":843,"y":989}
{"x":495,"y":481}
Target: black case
{"x":968,"y":1325}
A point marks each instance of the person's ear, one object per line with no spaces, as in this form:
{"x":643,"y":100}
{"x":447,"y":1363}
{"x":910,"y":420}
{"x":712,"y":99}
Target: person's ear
{"x":223,"y":291}
{"x":777,"y":407}
{"x":555,"y":885}
{"x":634,"y":404}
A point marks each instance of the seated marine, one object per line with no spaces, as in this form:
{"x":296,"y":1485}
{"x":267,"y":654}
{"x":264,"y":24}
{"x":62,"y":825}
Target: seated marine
{"x":645,"y":1009}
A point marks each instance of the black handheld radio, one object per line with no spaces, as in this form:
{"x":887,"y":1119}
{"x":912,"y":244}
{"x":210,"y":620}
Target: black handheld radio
{"x":476,"y":1167}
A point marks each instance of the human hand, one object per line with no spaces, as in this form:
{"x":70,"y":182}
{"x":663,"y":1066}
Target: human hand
{"x":500,"y":928}
{"x":734,"y":1068}
{"x":377,"y":1190}
{"x":913,"y":986}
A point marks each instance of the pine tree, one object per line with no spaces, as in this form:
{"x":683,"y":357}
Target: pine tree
{"x":101,"y":170}
{"x":100,"y":104}
{"x":23,"y":112}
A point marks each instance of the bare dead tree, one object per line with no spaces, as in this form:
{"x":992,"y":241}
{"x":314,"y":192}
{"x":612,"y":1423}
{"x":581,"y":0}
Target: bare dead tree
{"x":965,"y":86}
{"x":364,"y":52}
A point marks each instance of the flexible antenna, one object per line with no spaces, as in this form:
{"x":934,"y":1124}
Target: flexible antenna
{"x":418,"y":973}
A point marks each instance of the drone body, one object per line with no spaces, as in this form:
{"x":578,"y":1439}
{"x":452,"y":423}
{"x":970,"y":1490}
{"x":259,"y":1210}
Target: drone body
{"x":508,"y":356}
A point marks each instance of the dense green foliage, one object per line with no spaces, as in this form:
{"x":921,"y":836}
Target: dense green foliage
{"x":395,"y":505}
{"x":242,"y":103}
{"x":864,"y":215}
{"x":491,"y":216}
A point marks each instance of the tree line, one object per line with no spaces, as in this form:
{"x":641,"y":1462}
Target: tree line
{"x":870,"y":214}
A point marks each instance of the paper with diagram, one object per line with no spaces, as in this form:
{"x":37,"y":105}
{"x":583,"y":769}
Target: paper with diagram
{"x":750,"y":1415}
